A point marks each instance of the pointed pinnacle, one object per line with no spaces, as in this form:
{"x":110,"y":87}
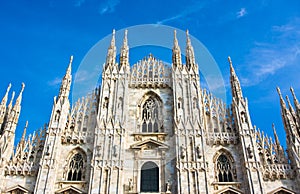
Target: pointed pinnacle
{"x":11,"y":100}
{"x":188,"y":40}
{"x":289,"y":103}
{"x":18,"y":101}
{"x":69,"y":69}
{"x":175,"y":40}
{"x":125,"y":38}
{"x":4,"y":100}
{"x":232,"y":71}
{"x":296,"y":102}
{"x":229,"y":60}
{"x":275,"y":134}
{"x":24,"y":132}
{"x":280,"y":95}
{"x":112,"y":43}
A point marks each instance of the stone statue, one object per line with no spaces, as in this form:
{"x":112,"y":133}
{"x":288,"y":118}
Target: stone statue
{"x":130,"y":185}
{"x":198,"y":151}
{"x":168,"y":187}
{"x":182,"y":151}
{"x":115,"y":150}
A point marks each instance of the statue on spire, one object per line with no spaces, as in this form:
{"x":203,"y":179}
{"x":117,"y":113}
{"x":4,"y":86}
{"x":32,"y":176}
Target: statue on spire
{"x":66,"y":81}
{"x":176,"y":53}
{"x":236,"y":89}
{"x":124,"y":55}
{"x":190,"y":56}
{"x":111,"y":53}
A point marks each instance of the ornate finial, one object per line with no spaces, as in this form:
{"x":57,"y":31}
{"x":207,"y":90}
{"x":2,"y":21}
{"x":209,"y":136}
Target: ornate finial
{"x":8,"y":88}
{"x":278,"y":91}
{"x":125,"y":33}
{"x":188,"y":40}
{"x":23,"y":86}
{"x":296,"y":102}
{"x":18,"y":101}
{"x":111,"y":53}
{"x":125,"y":42}
{"x":292,"y":90}
{"x":4,"y":100}
{"x":112,"y":43}
{"x":229,"y":60}
{"x":71,"y":59}
{"x":282,"y":103}
{"x":275,"y":135}
{"x":69,"y":66}
{"x":176,"y":46}
{"x":24,"y":132}
{"x":176,"y":53}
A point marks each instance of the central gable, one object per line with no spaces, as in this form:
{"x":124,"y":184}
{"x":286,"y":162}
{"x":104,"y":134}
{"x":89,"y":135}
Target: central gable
{"x":149,"y":144}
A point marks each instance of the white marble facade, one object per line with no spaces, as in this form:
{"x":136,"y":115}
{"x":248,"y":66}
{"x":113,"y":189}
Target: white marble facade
{"x":149,"y":128}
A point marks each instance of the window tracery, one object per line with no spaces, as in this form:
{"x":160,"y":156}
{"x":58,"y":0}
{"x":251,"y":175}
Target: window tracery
{"x":151,"y":117}
{"x":224,"y":169}
{"x":75,"y":168}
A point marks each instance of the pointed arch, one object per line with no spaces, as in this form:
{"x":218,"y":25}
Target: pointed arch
{"x":151,"y":113}
{"x":75,"y":168}
{"x":224,"y":166}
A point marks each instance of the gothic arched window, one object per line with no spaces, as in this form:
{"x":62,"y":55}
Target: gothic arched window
{"x":150,"y":116}
{"x":75,"y":168}
{"x":224,"y":169}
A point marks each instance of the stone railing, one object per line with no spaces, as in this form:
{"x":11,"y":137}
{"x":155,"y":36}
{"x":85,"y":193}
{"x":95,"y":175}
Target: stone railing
{"x":22,"y":169}
{"x":221,"y":138}
{"x":277,"y":171}
{"x":75,"y":137}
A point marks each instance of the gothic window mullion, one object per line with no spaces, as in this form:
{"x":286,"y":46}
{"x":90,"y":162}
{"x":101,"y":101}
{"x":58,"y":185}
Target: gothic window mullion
{"x":224,"y":169}
{"x":75,"y":168}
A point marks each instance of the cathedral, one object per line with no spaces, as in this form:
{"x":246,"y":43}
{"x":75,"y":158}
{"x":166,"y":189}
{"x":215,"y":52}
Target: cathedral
{"x":149,"y":128}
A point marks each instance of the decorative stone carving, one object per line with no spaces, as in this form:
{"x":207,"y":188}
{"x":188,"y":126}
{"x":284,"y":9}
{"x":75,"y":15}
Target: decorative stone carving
{"x":198,"y":151}
{"x":182,"y":151}
{"x":130,"y":185}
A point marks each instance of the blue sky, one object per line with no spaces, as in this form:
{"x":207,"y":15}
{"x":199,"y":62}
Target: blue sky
{"x":262,"y":38}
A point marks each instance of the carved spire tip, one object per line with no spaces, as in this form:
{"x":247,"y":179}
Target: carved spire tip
{"x":23,"y":86}
{"x":278,"y":90}
{"x":229,"y":60}
{"x":9,"y":86}
{"x":71,"y":58}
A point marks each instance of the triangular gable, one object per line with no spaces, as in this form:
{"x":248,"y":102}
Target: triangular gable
{"x":282,"y":189}
{"x":17,"y":187}
{"x":70,"y":188}
{"x":151,"y":142}
{"x":231,"y":189}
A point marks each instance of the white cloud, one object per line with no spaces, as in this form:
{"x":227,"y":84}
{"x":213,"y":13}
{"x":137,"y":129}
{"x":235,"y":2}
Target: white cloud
{"x":56,"y":81}
{"x":78,"y":3}
{"x":187,"y":11}
{"x":267,"y":59}
{"x":108,"y":6}
{"x":82,"y":76}
{"x":241,"y":13}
